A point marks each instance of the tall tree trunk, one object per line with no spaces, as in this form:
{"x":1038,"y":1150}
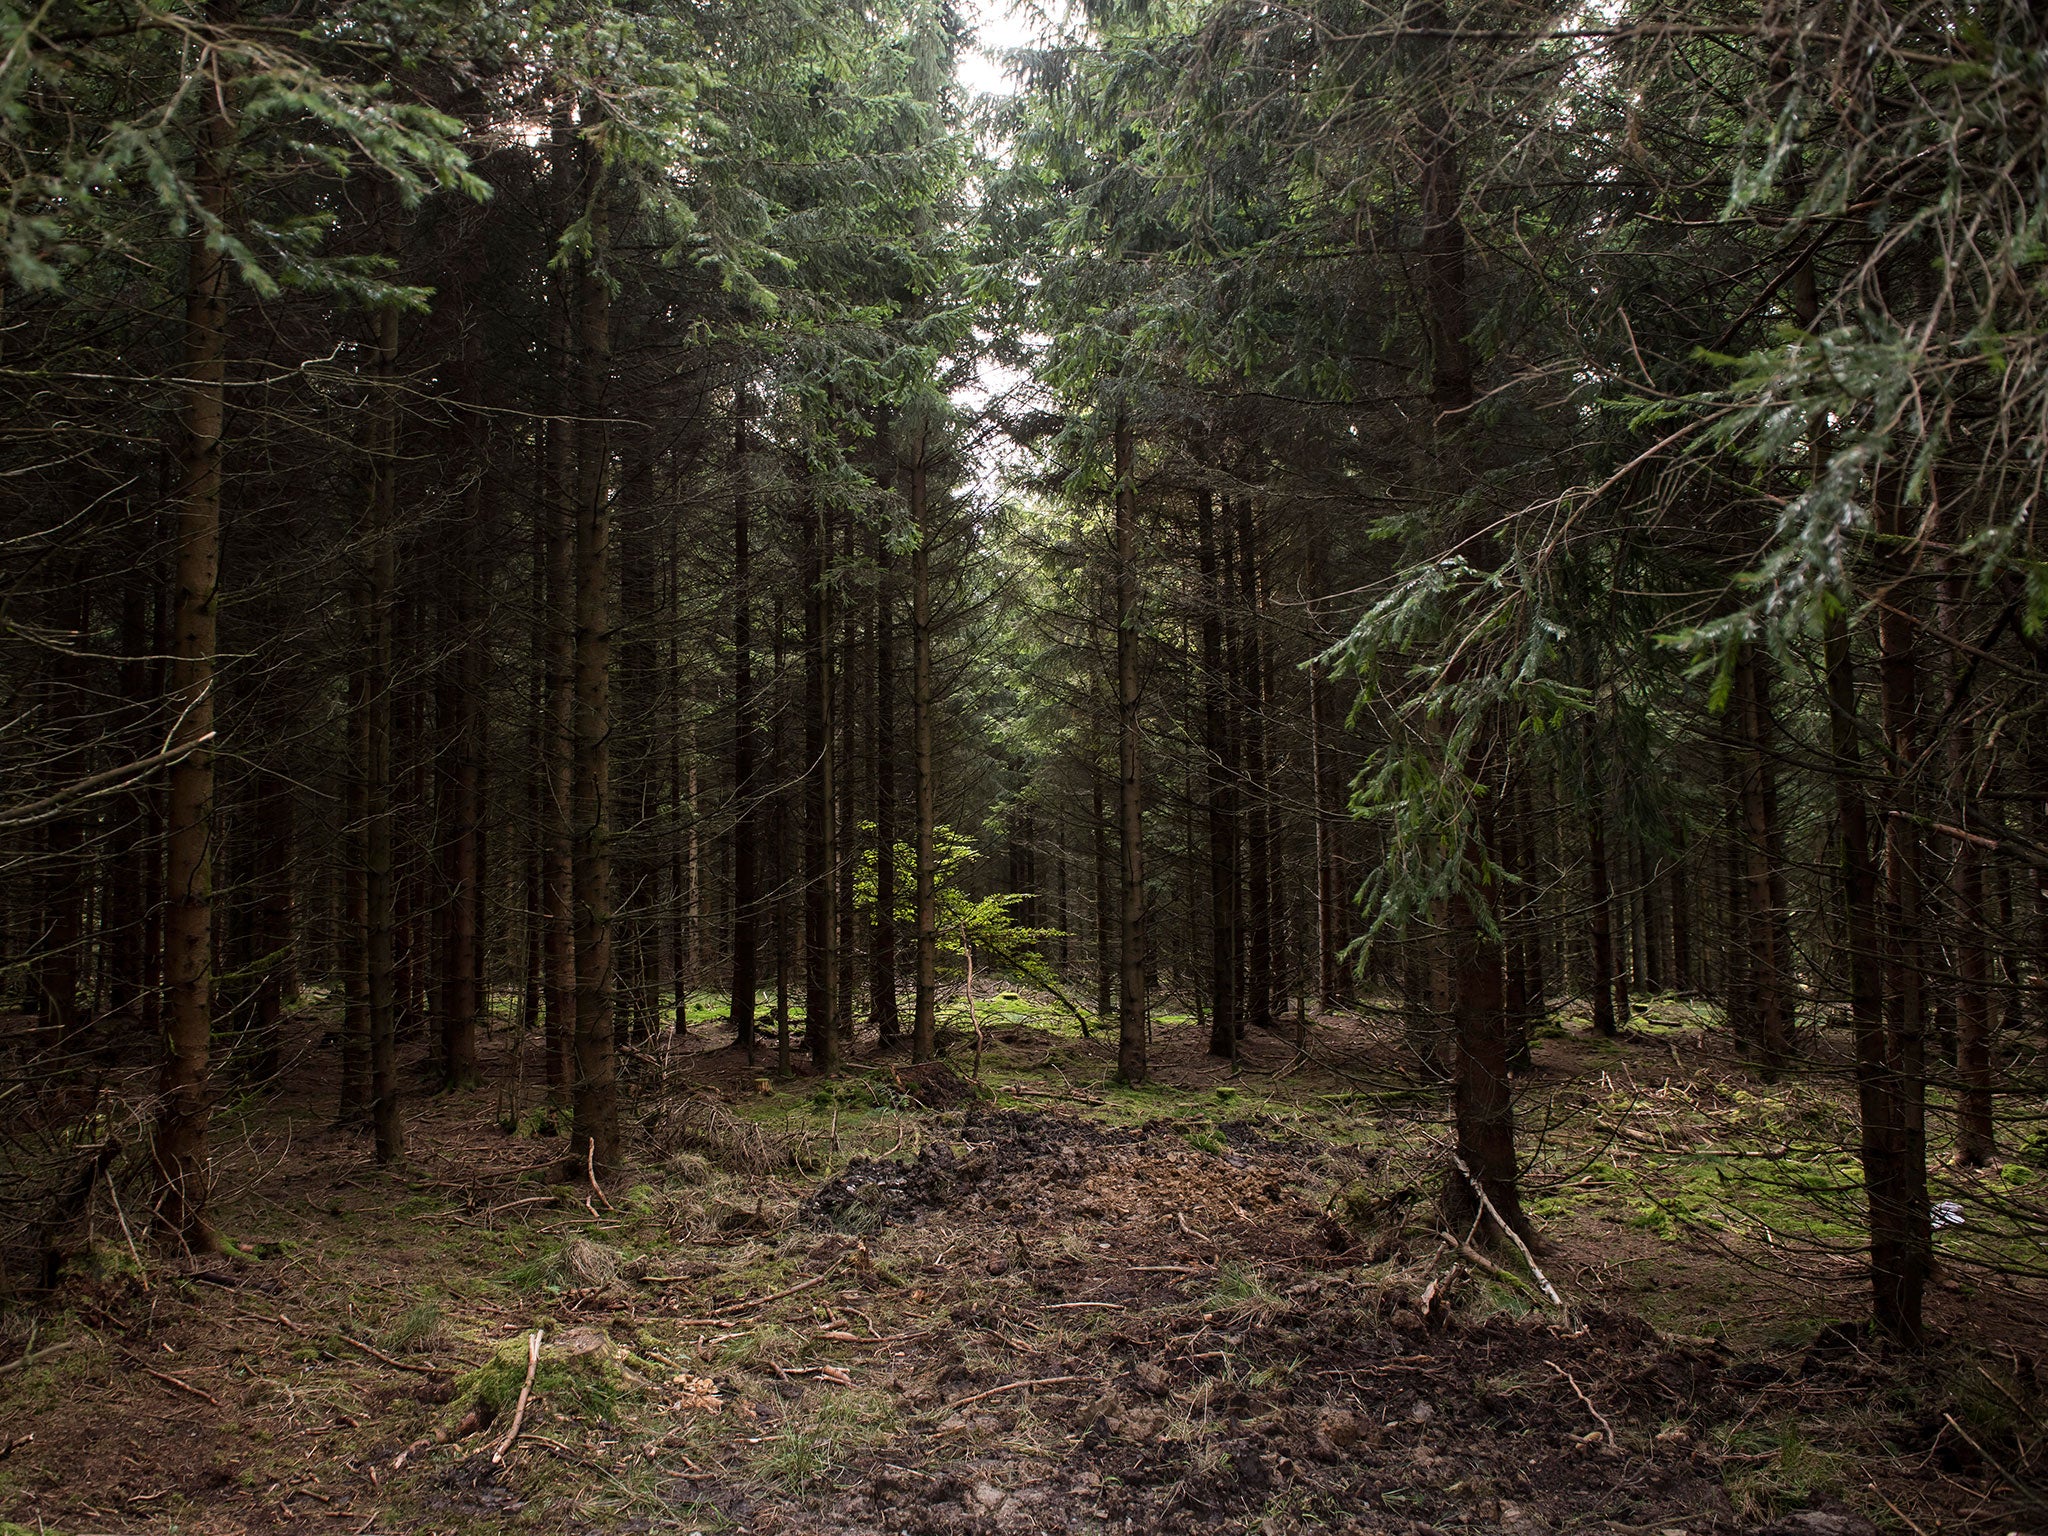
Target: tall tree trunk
{"x":923,"y":1045}
{"x":821,"y":894}
{"x":558,"y":862}
{"x":1516,"y":922}
{"x":784,"y":919}
{"x":596,"y":1105}
{"x":1683,"y":977}
{"x":379,"y":894}
{"x":1330,"y":985}
{"x":1483,"y":1108}
{"x":882,"y":947}
{"x":1105,"y":908}
{"x":1897,"y":1263}
{"x":843,"y":744}
{"x":1258,"y":924}
{"x":1529,"y":845}
{"x":133,"y":852}
{"x":532,"y":980}
{"x":461,"y":1001}
{"x":180,"y":1140}
{"x":1601,"y":924}
{"x":273,"y":876}
{"x":65,"y":892}
{"x":1132,"y":1012}
{"x":746,"y":729}
{"x":1974,"y":1136}
{"x":355,"y":886}
{"x":1904,"y":881}
{"x":1768,"y":1000}
{"x":1220,"y":759}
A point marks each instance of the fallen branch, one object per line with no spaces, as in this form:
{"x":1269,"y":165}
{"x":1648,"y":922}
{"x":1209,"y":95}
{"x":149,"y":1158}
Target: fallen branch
{"x":1018,"y":1090}
{"x":525,"y":1393}
{"x":736,"y":1306}
{"x":590,"y":1171}
{"x":1484,"y":1265}
{"x":1015,"y":1386}
{"x":397,"y":1365}
{"x":1534,"y":1268}
{"x":31,"y":1357}
{"x":182,"y":1386}
{"x":141,"y":1269}
{"x":1581,"y":1391}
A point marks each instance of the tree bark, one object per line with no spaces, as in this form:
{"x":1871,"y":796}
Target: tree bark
{"x":923,"y":1044}
{"x":595,"y":1140}
{"x":882,"y":947}
{"x":1258,"y":935}
{"x":1904,"y":881}
{"x":1898,"y":1268}
{"x":379,"y":882}
{"x":1131,"y":1002}
{"x":746,"y":736}
{"x":558,"y":861}
{"x":181,"y":1129}
{"x":1221,"y":766}
{"x":1974,"y":1132}
{"x":821,"y":839}
{"x":1768,"y":1000}
{"x":1601,"y":924}
{"x":461,"y":1001}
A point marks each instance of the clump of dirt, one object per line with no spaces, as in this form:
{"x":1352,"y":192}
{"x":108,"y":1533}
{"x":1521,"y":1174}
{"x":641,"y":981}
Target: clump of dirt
{"x":1002,"y":1145}
{"x":934,"y":1085}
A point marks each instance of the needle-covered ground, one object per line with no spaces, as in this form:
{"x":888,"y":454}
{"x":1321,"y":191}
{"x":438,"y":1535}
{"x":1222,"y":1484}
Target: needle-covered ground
{"x":903,"y":1302}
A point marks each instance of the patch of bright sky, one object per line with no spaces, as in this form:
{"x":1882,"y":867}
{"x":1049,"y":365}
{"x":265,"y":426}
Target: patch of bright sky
{"x":998,"y":25}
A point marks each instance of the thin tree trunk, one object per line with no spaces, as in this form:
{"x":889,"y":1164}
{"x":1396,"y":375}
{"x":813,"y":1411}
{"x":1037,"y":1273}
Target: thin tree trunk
{"x":746,"y":729}
{"x":1132,"y":1013}
{"x":842,"y":745}
{"x":558,"y":862}
{"x":180,"y":1139}
{"x":1897,"y":1263}
{"x":461,"y":1001}
{"x":1767,"y":1001}
{"x":1601,"y":924}
{"x":1220,"y":759}
{"x":882,"y":949}
{"x":1258,"y":936}
{"x":821,"y":918}
{"x":379,"y":884}
{"x":923,"y":1045}
{"x":133,"y":850}
{"x":1904,"y":881}
{"x":1974,"y":1134}
{"x":532,"y":974}
{"x":595,"y":1099}
{"x":783,"y":920}
{"x":1105,"y":911}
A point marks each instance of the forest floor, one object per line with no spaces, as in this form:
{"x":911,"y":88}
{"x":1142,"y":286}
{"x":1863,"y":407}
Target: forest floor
{"x":1220,"y":1302}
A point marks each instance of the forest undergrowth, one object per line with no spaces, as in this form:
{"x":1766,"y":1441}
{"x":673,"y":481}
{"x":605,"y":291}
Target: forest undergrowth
{"x":904,"y":1302}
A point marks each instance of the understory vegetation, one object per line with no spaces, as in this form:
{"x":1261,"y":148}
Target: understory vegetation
{"x":1044,"y":1302}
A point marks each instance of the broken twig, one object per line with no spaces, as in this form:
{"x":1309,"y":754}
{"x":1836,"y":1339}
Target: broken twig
{"x":525,"y":1392}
